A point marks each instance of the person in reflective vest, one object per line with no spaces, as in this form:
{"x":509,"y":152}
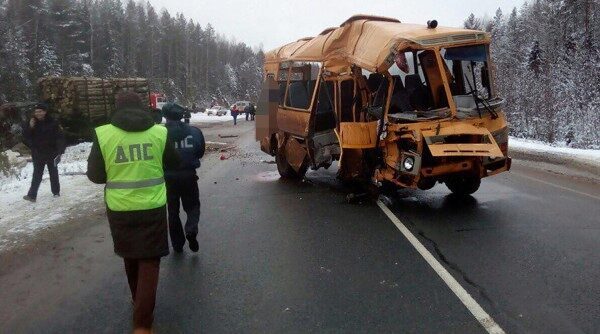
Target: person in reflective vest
{"x":129,"y":155}
{"x":182,"y":182}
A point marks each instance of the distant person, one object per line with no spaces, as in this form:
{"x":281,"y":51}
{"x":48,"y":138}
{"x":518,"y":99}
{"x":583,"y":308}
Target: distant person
{"x":182,"y":182}
{"x":129,"y":155}
{"x":252,"y":111}
{"x":234,"y":114}
{"x":247,"y":112}
{"x":44,"y":136}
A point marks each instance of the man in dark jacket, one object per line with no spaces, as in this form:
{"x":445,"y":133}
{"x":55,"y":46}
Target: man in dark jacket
{"x":129,"y":155}
{"x":44,"y":136}
{"x":182,"y":182}
{"x":252,"y":111}
{"x":247,"y":111}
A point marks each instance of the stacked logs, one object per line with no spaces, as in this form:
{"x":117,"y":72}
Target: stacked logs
{"x":92,"y":99}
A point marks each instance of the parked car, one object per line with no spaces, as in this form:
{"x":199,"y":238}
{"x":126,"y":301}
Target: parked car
{"x":241,"y":105}
{"x":217,"y":110}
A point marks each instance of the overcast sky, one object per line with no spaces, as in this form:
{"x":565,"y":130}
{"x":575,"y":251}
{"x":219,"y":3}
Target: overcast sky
{"x":276,"y":22}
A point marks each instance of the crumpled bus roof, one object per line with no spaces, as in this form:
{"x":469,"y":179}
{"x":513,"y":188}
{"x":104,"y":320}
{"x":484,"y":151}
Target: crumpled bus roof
{"x":368,"y":41}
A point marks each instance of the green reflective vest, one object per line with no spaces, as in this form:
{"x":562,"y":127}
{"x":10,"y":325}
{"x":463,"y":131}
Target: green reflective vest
{"x":134,"y":167}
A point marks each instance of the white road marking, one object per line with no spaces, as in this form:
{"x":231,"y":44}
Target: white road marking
{"x":484,"y":319}
{"x":557,"y":186}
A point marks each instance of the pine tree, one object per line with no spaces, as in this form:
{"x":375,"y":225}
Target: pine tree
{"x":472,"y":23}
{"x":14,"y":82}
{"x":107,"y":38}
{"x":48,"y":63}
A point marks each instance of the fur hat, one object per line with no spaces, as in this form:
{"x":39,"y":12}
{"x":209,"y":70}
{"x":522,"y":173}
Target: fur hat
{"x":128,"y":100}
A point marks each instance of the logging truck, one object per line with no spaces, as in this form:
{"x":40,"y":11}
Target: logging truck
{"x":398,"y":105}
{"x":82,"y":103}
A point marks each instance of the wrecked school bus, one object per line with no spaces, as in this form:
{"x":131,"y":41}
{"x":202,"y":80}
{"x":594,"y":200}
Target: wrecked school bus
{"x":396,"y":104}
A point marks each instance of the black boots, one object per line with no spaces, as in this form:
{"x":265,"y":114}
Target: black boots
{"x":192,"y":242}
{"x":29,"y":198}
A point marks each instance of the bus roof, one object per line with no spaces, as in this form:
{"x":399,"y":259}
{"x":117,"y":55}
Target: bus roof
{"x":369,"y":42}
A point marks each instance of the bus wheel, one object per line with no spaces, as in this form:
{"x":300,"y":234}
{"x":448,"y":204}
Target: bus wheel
{"x":286,"y":171}
{"x":463,"y":184}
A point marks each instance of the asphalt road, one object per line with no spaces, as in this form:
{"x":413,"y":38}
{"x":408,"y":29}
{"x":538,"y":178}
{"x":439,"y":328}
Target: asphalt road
{"x":289,"y":257}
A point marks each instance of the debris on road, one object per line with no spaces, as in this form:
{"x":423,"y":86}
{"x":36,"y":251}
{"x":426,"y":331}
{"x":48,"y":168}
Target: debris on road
{"x":354,"y":198}
{"x":228,"y":136}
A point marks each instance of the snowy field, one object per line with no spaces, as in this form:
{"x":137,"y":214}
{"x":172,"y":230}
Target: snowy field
{"x":20,"y":219}
{"x":591,"y":157}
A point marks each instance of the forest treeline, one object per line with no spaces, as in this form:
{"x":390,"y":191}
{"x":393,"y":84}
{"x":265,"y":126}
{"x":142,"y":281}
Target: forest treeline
{"x":111,"y":38}
{"x":546,"y":55}
{"x":547,"y":67}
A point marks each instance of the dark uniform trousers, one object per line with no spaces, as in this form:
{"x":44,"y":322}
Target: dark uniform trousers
{"x":184,"y":189}
{"x":38,"y":171}
{"x":142,"y":276}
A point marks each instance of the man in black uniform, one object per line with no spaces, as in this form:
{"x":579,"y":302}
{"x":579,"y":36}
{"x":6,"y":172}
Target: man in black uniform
{"x":44,"y":136}
{"x":182,"y":182}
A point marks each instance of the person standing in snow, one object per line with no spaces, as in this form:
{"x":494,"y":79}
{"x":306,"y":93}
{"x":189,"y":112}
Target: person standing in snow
{"x":234,"y":114}
{"x":182,"y":182}
{"x":129,"y":155}
{"x":44,"y":136}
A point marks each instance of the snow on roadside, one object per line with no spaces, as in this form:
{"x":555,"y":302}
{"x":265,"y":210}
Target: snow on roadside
{"x":20,"y":219}
{"x":588,"y":156}
{"x":204,"y":118}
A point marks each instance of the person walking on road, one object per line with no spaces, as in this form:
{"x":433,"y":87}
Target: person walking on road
{"x":44,"y":136}
{"x":252,"y":111}
{"x":182,"y":182}
{"x":234,"y":114}
{"x":247,"y":111}
{"x":129,"y":155}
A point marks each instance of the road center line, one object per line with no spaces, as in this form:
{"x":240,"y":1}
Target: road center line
{"x":557,"y":186}
{"x":484,"y":319}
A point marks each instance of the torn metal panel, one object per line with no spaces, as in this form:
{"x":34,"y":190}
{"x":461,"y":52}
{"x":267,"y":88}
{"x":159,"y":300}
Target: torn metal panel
{"x":358,"y":134}
{"x":295,"y":153}
{"x":325,"y":146}
{"x":436,"y":141}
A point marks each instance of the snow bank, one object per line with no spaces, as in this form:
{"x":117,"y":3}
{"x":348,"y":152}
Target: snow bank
{"x":204,"y":118}
{"x":20,"y":219}
{"x":543,"y":151}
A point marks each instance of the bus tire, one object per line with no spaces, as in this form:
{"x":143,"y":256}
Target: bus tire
{"x":285,"y":170}
{"x":463,"y":184}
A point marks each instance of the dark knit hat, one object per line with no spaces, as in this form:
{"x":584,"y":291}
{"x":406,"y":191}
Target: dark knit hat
{"x":173,"y":111}
{"x":128,"y":100}
{"x":41,"y":105}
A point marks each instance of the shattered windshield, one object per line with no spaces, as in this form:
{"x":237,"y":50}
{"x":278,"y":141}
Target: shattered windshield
{"x":469,"y":68}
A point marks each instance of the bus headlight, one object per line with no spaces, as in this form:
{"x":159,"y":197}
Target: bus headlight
{"x":408,"y":163}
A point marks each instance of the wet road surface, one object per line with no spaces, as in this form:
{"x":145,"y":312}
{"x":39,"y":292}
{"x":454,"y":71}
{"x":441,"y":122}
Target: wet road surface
{"x":294,"y":257}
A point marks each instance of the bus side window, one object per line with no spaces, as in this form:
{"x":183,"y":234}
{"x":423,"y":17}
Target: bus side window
{"x":282,"y":85}
{"x":347,"y":97}
{"x":324,"y":114}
